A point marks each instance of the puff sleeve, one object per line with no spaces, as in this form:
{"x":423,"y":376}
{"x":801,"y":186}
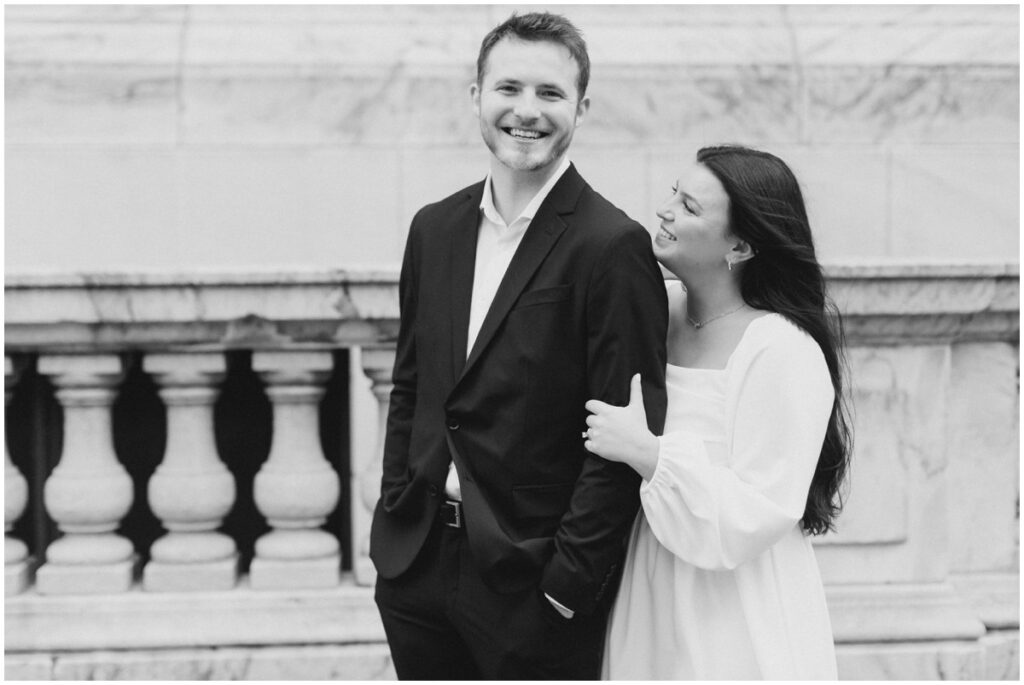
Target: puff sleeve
{"x":720,"y":515}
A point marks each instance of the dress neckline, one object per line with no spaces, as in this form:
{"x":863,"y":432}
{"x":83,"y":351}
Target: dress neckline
{"x":732,"y":355}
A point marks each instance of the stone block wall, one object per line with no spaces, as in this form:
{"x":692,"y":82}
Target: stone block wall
{"x":145,"y":136}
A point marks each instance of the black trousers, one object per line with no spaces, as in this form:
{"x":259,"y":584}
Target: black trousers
{"x":443,"y":623}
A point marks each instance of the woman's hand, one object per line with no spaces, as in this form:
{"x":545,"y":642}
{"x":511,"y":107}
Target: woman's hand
{"x":621,"y":434}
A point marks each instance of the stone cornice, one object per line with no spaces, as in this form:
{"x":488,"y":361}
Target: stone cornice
{"x":882,"y":303}
{"x":927,"y":303}
{"x":201,"y":309}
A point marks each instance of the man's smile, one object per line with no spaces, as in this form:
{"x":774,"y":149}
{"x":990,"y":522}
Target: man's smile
{"x":524,"y":134}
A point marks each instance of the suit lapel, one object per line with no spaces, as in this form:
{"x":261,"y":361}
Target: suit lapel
{"x":462,"y":260}
{"x":544,"y":231}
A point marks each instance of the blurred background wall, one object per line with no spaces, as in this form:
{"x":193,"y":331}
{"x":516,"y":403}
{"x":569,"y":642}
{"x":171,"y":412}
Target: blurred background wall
{"x":207,"y":136}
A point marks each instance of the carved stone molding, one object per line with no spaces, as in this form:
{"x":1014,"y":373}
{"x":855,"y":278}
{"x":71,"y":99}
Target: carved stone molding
{"x":885,"y":303}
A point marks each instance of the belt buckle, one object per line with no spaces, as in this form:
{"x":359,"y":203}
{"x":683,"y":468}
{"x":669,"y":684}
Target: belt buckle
{"x":457,"y":508}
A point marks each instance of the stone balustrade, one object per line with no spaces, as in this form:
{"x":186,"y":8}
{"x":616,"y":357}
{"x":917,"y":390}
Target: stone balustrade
{"x":16,"y":559}
{"x":296,"y":489}
{"x":921,"y":576}
{"x":89,"y":491}
{"x":192,"y":555}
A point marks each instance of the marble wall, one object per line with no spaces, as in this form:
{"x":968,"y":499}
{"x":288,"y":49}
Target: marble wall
{"x":145,"y":136}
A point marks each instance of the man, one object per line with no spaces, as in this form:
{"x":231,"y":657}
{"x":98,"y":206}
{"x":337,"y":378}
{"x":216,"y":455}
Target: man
{"x":498,"y":539}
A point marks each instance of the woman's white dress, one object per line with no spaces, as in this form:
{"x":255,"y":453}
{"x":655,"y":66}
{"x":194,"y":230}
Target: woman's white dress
{"x":720,"y":582}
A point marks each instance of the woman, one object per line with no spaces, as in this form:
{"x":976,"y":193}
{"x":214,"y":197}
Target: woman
{"x":720,"y":580}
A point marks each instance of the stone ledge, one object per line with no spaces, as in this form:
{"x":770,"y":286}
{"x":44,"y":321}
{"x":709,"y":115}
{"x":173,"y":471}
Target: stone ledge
{"x":889,"y":302}
{"x":996,"y":656}
{"x":911,"y":661}
{"x":904,"y":612}
{"x":222,"y":309}
{"x":140,"y":620}
{"x":994,"y":596}
{"x":1002,"y":655}
{"x":28,"y":666}
{"x":331,"y":662}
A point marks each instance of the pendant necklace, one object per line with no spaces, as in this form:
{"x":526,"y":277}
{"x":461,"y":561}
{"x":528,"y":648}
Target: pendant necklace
{"x":701,"y":324}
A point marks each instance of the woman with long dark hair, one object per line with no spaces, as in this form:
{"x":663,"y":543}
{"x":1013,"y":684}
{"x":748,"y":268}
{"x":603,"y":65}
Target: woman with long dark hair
{"x":721,"y":581}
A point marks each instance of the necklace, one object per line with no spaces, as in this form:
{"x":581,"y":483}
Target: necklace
{"x":701,"y":324}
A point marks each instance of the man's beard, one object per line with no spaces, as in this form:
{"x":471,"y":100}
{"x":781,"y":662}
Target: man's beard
{"x":516,"y":160}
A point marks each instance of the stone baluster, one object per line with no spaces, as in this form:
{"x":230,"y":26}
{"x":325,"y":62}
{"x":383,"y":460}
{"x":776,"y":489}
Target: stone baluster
{"x":17,"y":564}
{"x":296,"y":489}
{"x":89,"y":491}
{"x":192,"y":490}
{"x":377,"y":364}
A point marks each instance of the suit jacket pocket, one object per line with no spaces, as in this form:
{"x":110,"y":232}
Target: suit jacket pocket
{"x":532,"y":502}
{"x":556,"y":293}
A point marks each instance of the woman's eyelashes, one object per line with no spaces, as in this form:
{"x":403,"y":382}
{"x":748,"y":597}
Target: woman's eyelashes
{"x":686,"y":202}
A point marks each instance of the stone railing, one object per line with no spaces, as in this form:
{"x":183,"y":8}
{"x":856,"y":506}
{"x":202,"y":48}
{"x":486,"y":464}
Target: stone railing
{"x":93,"y":588}
{"x":914,"y":591}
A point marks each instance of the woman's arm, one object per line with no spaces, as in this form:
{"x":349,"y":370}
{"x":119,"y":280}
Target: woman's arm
{"x":718,"y":516}
{"x":621,"y":433}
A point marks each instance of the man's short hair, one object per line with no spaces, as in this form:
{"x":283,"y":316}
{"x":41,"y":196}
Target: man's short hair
{"x":539,"y":26}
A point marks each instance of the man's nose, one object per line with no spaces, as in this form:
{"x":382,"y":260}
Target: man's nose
{"x":526,"y":107}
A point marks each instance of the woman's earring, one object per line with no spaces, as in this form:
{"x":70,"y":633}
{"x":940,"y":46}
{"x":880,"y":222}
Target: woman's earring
{"x":729,"y":262}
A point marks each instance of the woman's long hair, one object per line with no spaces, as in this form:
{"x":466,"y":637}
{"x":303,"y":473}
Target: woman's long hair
{"x":767,"y":211}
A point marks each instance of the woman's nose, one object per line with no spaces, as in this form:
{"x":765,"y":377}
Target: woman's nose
{"x":665,"y":214}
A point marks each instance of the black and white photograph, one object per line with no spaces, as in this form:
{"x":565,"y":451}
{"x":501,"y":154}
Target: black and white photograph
{"x":512,"y":342}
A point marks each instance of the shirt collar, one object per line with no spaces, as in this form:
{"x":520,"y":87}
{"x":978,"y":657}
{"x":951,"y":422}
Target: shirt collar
{"x":491,"y":212}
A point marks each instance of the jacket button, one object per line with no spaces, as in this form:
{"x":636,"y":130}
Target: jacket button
{"x":453,"y":425}
{"x":432,"y":490}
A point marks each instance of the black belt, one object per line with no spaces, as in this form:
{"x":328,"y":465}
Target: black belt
{"x":451,"y":514}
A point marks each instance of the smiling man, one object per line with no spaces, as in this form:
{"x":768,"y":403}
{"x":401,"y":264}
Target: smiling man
{"x":528,"y":101}
{"x":498,"y":539}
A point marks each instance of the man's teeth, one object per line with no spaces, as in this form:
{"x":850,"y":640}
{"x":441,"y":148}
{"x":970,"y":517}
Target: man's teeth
{"x":521,"y":133}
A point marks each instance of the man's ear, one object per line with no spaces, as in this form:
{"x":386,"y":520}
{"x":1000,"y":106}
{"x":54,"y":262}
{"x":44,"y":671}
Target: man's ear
{"x":741,"y":252}
{"x":474,"y":96}
{"x":582,"y":107}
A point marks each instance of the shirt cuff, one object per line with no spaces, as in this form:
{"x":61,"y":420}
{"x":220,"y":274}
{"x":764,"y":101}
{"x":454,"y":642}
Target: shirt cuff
{"x":563,"y":610}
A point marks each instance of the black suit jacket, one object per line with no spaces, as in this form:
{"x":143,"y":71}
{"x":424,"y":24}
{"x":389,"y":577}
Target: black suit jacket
{"x":581,"y":308}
